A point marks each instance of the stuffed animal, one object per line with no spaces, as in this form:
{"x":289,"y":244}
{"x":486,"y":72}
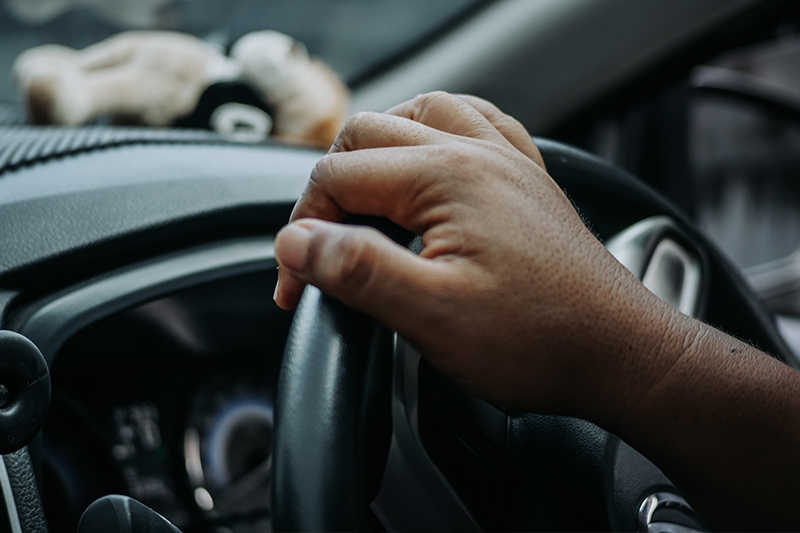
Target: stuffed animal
{"x":158,"y":78}
{"x":309,"y":101}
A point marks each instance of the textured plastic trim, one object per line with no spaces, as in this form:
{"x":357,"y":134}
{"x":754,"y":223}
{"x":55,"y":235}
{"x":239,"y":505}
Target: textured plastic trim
{"x":28,"y":145}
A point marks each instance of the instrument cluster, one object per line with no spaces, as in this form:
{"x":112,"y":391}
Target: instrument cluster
{"x":170,"y":403}
{"x":213,"y":472}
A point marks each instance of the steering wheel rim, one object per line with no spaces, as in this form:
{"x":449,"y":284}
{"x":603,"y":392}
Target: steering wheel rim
{"x":335,"y":377}
{"x":333,"y":383}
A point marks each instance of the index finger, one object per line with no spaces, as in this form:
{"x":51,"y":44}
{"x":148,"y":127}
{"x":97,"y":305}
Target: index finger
{"x":403,"y":184}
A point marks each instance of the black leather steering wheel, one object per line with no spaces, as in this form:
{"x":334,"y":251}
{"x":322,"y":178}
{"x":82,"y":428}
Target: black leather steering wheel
{"x":333,"y":398}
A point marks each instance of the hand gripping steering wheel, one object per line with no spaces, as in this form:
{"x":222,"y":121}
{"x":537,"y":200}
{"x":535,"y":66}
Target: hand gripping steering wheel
{"x":348,"y":450}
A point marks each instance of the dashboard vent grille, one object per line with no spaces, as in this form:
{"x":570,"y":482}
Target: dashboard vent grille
{"x":28,"y":145}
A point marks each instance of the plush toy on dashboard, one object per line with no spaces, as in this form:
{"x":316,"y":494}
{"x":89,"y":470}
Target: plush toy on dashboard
{"x":309,"y":101}
{"x":168,"y":78}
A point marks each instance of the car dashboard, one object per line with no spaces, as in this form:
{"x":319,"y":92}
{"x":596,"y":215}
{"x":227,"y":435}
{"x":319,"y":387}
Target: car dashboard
{"x":153,"y":310}
{"x":141,"y":264}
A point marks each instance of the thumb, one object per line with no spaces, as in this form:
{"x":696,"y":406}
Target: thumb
{"x":359,"y":266}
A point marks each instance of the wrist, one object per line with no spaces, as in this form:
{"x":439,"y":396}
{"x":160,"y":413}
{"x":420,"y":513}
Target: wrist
{"x":639,"y":342}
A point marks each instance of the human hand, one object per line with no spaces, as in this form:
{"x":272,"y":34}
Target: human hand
{"x":512,"y":297}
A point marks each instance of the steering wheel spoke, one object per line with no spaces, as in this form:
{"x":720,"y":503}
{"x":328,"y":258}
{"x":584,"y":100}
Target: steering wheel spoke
{"x":666,"y":260}
{"x":411,"y":480}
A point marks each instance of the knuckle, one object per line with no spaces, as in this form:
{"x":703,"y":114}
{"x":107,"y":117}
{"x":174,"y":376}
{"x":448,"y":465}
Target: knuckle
{"x":354,"y":264}
{"x":359,"y":118}
{"x":460,"y":161}
{"x":444,"y":160}
{"x":455,"y":155}
{"x":349,"y":134}
{"x":323,"y":170}
{"x":433,"y":96}
{"x":508,"y":122}
{"x":432,"y":100}
{"x":316,"y":200}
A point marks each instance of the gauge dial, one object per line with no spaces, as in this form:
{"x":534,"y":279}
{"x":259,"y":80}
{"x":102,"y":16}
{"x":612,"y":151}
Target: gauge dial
{"x":228,"y":447}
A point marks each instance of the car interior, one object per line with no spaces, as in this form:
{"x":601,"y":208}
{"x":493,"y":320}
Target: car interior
{"x":142,"y":354}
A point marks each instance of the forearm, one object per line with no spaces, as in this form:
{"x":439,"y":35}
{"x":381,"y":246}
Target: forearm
{"x":514,"y":299}
{"x":722,"y":420}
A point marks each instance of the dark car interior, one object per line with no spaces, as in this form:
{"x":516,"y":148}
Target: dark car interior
{"x":140,"y":263}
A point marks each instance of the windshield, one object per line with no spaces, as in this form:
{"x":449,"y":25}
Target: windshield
{"x":352,"y":36}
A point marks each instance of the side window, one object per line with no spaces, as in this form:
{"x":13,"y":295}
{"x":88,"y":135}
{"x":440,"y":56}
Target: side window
{"x":744,"y":152}
{"x":352,"y":36}
{"x":743,"y":146}
{"x":722,"y":140}
{"x":745,"y":159}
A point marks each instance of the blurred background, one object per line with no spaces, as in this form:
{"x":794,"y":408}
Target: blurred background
{"x":350,"y":35}
{"x":713,"y":123}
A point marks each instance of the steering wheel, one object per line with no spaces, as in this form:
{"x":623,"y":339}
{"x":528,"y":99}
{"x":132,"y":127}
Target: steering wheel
{"x":347,"y":436}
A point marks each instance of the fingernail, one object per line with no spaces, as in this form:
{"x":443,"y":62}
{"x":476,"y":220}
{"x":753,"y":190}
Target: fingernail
{"x":291,"y":247}
{"x":275,"y":294}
